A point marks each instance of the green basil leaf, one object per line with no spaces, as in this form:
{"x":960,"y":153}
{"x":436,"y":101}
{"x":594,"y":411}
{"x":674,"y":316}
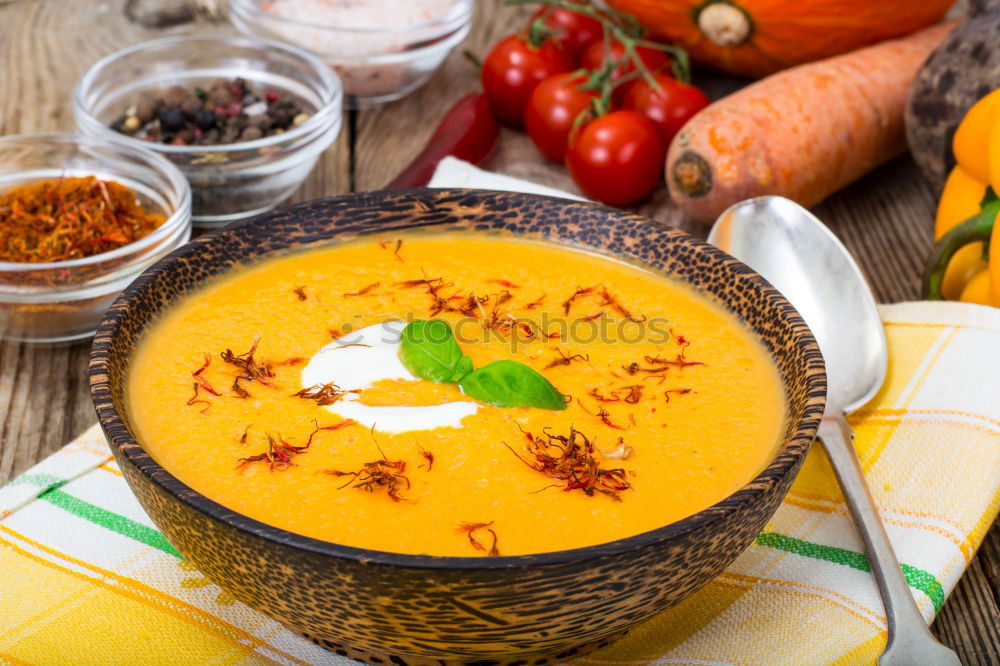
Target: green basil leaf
{"x":428,"y":350}
{"x":512,"y":384}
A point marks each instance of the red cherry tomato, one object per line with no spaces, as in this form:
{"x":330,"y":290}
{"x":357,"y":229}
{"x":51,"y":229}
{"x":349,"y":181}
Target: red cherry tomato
{"x":574,"y":31}
{"x":596,"y":54}
{"x":616,"y":159}
{"x":669,"y":107}
{"x":554,"y":106}
{"x":512,"y":70}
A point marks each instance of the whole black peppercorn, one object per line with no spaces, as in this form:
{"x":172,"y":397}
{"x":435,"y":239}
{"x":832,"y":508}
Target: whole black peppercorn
{"x":205,"y":119}
{"x":281,"y":118}
{"x":172,"y":119}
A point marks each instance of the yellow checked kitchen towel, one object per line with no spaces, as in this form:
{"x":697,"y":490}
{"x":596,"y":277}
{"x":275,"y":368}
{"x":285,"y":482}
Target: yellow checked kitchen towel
{"x":85,"y":577}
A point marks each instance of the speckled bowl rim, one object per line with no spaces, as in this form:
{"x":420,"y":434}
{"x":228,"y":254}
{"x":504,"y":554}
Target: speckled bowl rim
{"x":784,"y":460}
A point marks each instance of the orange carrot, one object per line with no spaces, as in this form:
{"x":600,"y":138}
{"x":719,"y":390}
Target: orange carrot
{"x":803,"y":133}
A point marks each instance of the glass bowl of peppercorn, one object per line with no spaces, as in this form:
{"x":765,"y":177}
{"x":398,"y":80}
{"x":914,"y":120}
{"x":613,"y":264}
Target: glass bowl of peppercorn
{"x":80,"y":218}
{"x":244,"y":120}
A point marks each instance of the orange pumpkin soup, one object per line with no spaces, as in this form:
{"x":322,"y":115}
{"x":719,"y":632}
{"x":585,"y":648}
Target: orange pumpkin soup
{"x":286,"y":391}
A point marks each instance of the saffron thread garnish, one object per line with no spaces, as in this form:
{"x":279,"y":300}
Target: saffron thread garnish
{"x":597,"y":395}
{"x":300,"y":293}
{"x":564,"y":359}
{"x":605,"y":418}
{"x":658,"y":365}
{"x":197,"y":374}
{"x":470,"y":529}
{"x":319,"y":429}
{"x":579,"y":293}
{"x":570,"y":459}
{"x":364,"y":291}
{"x":503,"y":283}
{"x":250,"y":369}
{"x":278,"y":455}
{"x":634,"y":393}
{"x":324,"y":394}
{"x":684,"y":391}
{"x":428,"y":456}
{"x":387,"y":474}
{"x":537,"y":303}
{"x":195,"y":400}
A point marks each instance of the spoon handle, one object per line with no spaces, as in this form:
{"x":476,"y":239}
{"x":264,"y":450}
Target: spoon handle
{"x":910,"y":641}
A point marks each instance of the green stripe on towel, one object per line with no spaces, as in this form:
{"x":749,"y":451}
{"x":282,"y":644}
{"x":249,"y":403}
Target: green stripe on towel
{"x":108,"y":520}
{"x":918,"y":579}
{"x":39,"y":480}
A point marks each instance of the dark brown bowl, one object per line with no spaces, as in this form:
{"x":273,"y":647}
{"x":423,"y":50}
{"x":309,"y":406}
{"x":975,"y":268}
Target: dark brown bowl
{"x":530,"y":608}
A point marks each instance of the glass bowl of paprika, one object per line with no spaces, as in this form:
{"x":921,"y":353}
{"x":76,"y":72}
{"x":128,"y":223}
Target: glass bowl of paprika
{"x":80,"y":218}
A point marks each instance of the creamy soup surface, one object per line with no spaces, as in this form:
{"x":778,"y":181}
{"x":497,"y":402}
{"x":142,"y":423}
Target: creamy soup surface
{"x":672,"y":404}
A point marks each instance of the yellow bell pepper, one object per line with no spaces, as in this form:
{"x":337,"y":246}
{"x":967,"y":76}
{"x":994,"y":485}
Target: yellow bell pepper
{"x":958,"y":268}
{"x":978,"y":290}
{"x":960,"y":200}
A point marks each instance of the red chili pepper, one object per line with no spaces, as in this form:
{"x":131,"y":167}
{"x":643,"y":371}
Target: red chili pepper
{"x":468,"y":131}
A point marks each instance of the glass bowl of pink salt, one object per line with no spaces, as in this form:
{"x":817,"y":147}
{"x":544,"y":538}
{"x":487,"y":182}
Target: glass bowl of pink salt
{"x":382,"y":50}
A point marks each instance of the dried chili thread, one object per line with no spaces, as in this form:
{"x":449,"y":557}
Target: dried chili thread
{"x":70,"y":218}
{"x":470,"y":529}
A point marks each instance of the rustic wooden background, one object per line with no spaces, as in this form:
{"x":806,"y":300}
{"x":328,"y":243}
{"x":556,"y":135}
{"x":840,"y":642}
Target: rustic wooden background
{"x":46,"y":45}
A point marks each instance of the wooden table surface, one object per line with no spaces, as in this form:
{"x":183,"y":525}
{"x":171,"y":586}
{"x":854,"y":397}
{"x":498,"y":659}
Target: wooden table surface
{"x":46,"y":45}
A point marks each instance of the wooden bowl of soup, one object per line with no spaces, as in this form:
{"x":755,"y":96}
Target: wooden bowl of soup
{"x":610,"y":412}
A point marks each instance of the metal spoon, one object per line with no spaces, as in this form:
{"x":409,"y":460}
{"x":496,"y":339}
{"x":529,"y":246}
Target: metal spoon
{"x":796,"y":253}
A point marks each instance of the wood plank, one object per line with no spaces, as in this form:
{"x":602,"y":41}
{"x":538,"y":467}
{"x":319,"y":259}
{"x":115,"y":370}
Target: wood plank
{"x":44,"y":400}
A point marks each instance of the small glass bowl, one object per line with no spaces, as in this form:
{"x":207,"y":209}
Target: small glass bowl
{"x":377,"y":64}
{"x":62,"y":301}
{"x":228,"y":181}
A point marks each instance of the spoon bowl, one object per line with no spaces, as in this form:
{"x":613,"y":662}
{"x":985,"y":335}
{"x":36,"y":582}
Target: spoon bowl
{"x":796,"y":253}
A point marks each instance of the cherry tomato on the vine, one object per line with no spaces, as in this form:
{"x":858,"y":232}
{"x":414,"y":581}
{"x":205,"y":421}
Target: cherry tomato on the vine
{"x":573,"y":30}
{"x":596,"y":55}
{"x":512,"y":70}
{"x":552,"y":110}
{"x":669,"y":107}
{"x":616,"y":159}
